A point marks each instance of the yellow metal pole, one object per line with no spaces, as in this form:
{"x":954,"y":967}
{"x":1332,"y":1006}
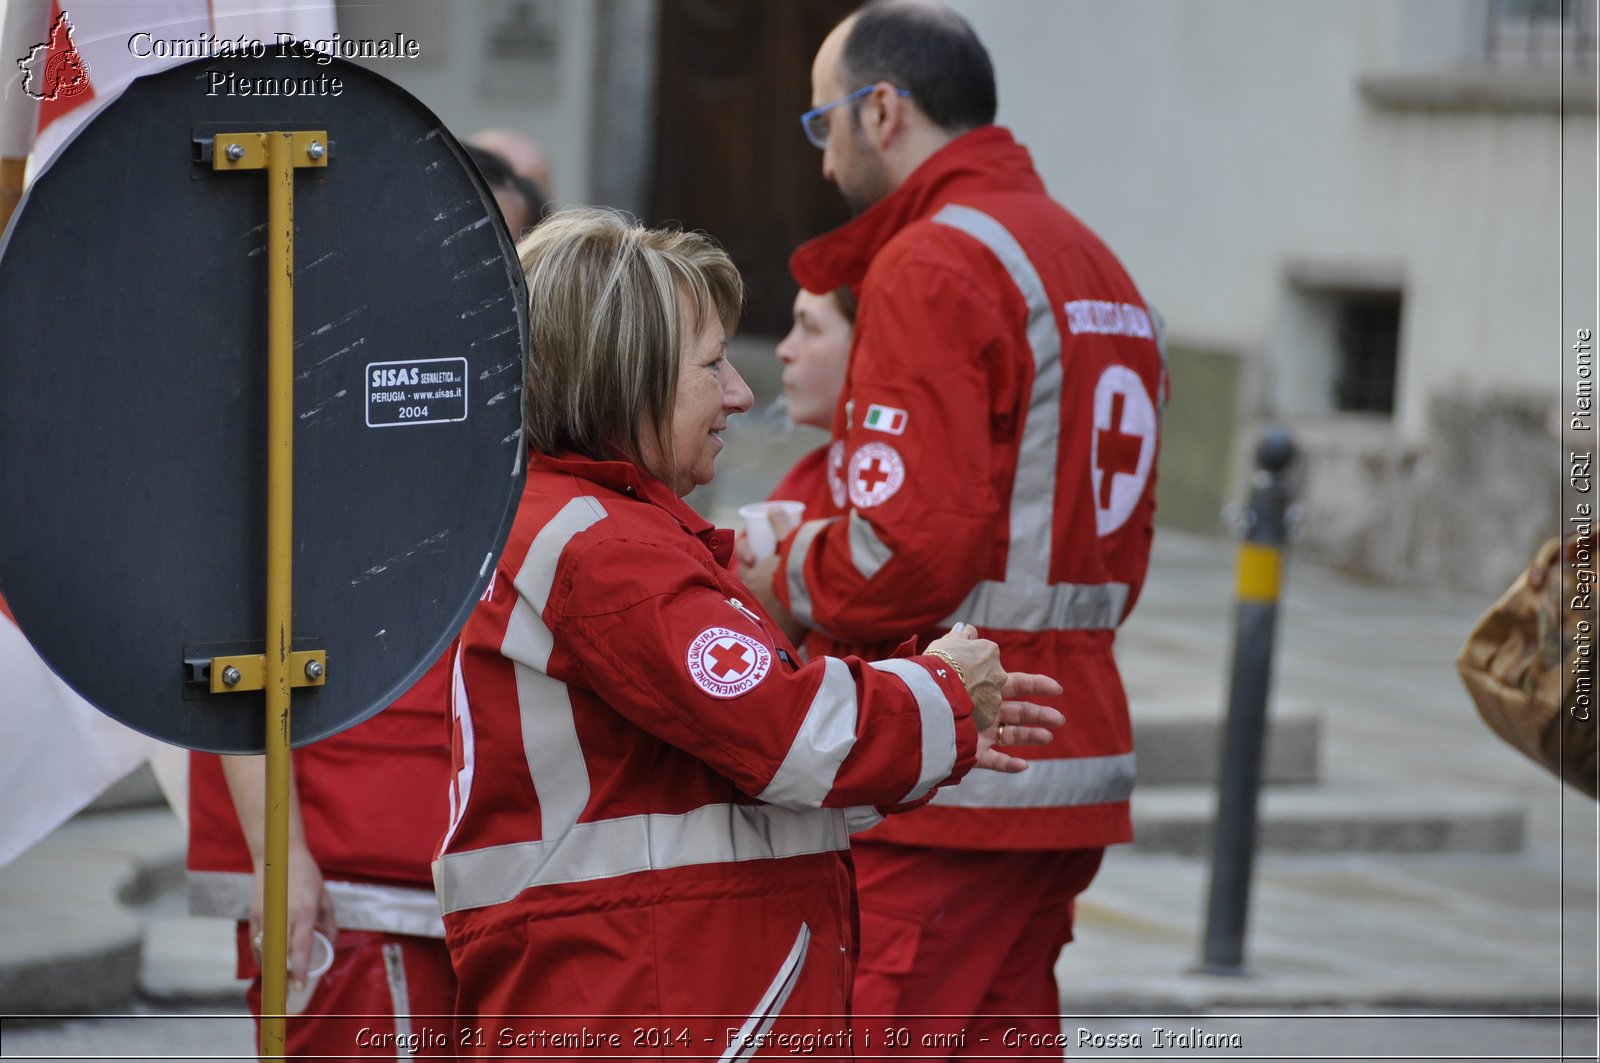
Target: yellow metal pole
{"x":279,"y":154}
{"x":280,"y":544}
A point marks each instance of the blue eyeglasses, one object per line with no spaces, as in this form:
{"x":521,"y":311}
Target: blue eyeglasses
{"x":817,"y":129}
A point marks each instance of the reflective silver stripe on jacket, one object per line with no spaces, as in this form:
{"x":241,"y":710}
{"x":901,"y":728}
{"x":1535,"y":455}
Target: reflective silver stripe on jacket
{"x":867,"y":552}
{"x":713,"y":834}
{"x":800,"y":594}
{"x":938,"y":724}
{"x":1026,"y":601}
{"x":1033,"y":490}
{"x":356,"y":905}
{"x":1027,"y":605}
{"x":394,"y":969}
{"x":1046,"y":784}
{"x":460,"y":716}
{"x":824,"y":740}
{"x":862,"y":817}
{"x":549,"y":732}
{"x":747,"y":1040}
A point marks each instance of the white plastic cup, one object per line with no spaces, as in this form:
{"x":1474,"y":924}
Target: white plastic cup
{"x":766,"y":523}
{"x":321,"y":959}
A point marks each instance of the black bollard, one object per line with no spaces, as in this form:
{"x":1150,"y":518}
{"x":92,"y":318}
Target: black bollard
{"x":1239,"y":784}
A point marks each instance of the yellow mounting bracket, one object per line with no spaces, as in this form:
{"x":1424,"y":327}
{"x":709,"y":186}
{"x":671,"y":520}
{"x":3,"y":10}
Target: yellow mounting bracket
{"x":307,"y":668}
{"x":248,"y":151}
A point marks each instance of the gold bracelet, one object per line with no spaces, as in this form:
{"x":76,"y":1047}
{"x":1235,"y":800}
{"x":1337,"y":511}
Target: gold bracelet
{"x":951,"y":661}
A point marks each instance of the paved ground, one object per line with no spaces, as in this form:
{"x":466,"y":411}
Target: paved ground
{"x":1473,"y":949}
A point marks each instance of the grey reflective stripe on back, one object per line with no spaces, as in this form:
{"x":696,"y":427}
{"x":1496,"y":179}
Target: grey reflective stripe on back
{"x":356,"y":905}
{"x":526,"y":633}
{"x":1033,"y":489}
{"x":867,"y":552}
{"x":1026,"y":600}
{"x":938,"y":724}
{"x":1031,"y":606}
{"x":549,"y":733}
{"x":799,"y":593}
{"x":712,"y":834}
{"x":824,"y":740}
{"x":1046,"y":784}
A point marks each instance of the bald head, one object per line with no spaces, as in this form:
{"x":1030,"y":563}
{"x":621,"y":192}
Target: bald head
{"x":924,"y":47}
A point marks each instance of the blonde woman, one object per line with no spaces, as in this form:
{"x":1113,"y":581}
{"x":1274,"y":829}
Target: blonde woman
{"x":647,"y":848}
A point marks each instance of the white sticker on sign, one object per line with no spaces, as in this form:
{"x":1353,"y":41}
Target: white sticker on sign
{"x":420,"y":391}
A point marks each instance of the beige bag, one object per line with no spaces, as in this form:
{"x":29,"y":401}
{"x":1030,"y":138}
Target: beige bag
{"x":1518,"y":667}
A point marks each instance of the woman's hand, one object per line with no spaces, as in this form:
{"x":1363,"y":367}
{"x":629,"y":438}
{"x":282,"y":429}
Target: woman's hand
{"x":308,"y":908}
{"x":997,"y":711}
{"x":977,"y":662}
{"x":1021,"y":723}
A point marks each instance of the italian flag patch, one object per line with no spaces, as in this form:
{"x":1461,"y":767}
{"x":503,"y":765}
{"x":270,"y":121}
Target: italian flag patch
{"x":885,"y":419}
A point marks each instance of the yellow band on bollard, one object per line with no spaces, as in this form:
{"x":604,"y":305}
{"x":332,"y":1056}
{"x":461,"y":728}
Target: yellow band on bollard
{"x":1260,"y":568}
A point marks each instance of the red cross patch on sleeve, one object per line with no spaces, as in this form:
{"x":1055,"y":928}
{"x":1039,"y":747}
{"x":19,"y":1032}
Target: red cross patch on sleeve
{"x":726,"y":663}
{"x":876,"y":473}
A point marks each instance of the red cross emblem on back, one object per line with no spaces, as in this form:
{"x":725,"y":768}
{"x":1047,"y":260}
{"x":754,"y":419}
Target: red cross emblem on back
{"x":1120,"y":461}
{"x":1116,"y":452}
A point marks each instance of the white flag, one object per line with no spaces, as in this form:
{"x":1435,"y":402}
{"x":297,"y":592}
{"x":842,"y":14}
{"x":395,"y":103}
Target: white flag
{"x":57,"y":752}
{"x":90,"y":49}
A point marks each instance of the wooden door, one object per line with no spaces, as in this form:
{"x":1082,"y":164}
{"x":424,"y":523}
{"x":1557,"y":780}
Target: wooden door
{"x":730,"y":158}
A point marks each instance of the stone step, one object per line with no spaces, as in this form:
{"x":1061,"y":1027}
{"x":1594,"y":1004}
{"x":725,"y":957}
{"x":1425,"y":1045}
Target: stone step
{"x":71,"y":944}
{"x":1179,"y":741}
{"x":1341,"y":818}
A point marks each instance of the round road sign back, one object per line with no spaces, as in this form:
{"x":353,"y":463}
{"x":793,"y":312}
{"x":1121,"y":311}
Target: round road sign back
{"x":133,"y":296}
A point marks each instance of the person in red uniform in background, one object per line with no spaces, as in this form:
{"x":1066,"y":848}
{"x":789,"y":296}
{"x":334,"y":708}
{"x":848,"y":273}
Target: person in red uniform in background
{"x":996,"y":445}
{"x":814,"y":354}
{"x":368,"y":809}
{"x":647,"y":851}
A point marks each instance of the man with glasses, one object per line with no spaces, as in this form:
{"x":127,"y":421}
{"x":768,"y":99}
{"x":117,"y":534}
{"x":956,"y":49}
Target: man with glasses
{"x":994,"y":462}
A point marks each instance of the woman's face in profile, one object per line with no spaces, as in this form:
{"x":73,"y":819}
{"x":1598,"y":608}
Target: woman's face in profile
{"x":710,"y":390}
{"x":814,"y":356}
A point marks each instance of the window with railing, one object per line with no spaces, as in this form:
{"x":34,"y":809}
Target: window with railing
{"x":1530,"y":34}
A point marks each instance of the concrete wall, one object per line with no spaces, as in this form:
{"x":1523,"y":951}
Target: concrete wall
{"x":1232,"y":151}
{"x":461,"y":76}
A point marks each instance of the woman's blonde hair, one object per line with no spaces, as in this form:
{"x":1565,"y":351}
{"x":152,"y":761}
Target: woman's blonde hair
{"x":609,"y":303}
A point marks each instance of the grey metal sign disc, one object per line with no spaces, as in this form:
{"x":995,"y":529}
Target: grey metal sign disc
{"x":133,"y":324}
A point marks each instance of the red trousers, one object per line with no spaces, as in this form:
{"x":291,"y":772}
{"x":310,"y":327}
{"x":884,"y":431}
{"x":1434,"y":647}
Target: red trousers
{"x":385,"y":996}
{"x":958,"y":947}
